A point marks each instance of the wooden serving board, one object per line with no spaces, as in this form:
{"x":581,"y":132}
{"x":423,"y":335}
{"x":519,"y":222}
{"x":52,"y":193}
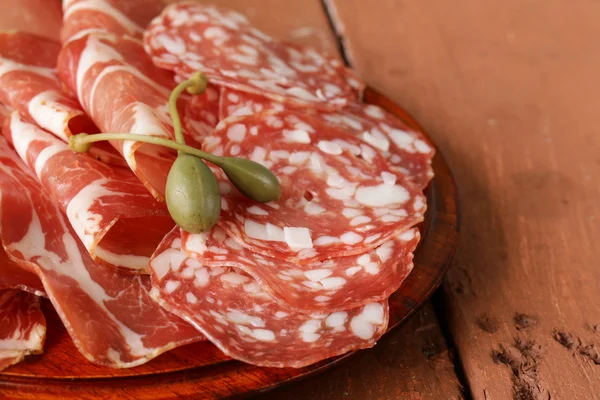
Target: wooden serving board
{"x":200,"y":370}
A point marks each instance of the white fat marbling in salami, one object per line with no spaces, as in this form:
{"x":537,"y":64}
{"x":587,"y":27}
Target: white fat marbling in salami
{"x":110,"y":316}
{"x":115,"y":217}
{"x":240,"y":318}
{"x":22,"y":326}
{"x":122,"y":91}
{"x":339,"y":195}
{"x":29,"y":84}
{"x":332,"y":285}
{"x":190,"y":36}
{"x":407,"y":150}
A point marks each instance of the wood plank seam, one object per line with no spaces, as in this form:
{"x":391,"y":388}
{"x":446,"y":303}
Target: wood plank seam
{"x":337,"y":29}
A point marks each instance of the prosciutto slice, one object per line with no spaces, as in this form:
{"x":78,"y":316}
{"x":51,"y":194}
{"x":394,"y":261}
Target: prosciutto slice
{"x":29,"y":84}
{"x":242,"y":320}
{"x":12,"y":276}
{"x":22,"y":326}
{"x":110,"y":316}
{"x":123,"y":17}
{"x":115,"y":217}
{"x":98,"y":68}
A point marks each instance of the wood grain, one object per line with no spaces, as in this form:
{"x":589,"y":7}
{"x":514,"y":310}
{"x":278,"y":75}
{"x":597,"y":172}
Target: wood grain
{"x":413,"y":363}
{"x":509,"y":91}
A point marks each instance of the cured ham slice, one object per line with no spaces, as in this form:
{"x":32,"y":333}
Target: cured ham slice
{"x":13,"y":276}
{"x":122,"y":91}
{"x":331,"y":285}
{"x":235,"y":314}
{"x":190,"y":36}
{"x":339,"y":196}
{"x":115,"y":217}
{"x":22,"y":326}
{"x":407,"y":150}
{"x":28,"y":83}
{"x":110,"y":316}
{"x":122,"y":17}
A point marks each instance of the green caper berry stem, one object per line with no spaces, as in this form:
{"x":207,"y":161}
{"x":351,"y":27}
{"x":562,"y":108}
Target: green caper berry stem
{"x":196,"y":84}
{"x":81,"y":142}
{"x":251,"y":178}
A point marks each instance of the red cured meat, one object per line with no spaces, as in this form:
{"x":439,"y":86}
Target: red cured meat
{"x":408,"y":151}
{"x":236,"y":104}
{"x":22,"y":326}
{"x":122,"y":91}
{"x":332,"y":285}
{"x":202,"y":112}
{"x":189,"y":37}
{"x":28,"y":83}
{"x":354,"y":81}
{"x":338,"y":194}
{"x":13,"y":276}
{"x":110,"y":316}
{"x":40,"y":17}
{"x":115,"y":217}
{"x":123,"y":17}
{"x":235,"y":314}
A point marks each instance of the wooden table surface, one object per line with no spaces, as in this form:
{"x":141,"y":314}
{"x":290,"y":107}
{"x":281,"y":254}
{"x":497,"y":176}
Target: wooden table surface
{"x":510,"y":91}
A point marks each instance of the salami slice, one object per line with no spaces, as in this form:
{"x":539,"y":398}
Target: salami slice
{"x":339,"y":196}
{"x":235,"y":314}
{"x":22,"y":327}
{"x":407,"y":151}
{"x":115,"y":217}
{"x":189,"y":37}
{"x":97,"y":67}
{"x":237,"y":104}
{"x":331,"y":285}
{"x":110,"y":316}
{"x":354,"y":81}
{"x":122,"y":17}
{"x":202,"y":113}
{"x":28,"y":83}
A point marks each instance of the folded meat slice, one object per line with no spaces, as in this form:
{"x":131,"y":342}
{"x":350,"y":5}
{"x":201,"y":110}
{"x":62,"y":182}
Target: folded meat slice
{"x":408,"y":151}
{"x":189,"y":36}
{"x":122,"y":91}
{"x":29,"y":84}
{"x":242,"y":320}
{"x":115,"y":217}
{"x":22,"y":326}
{"x":110,"y":316}
{"x":123,"y":17}
{"x":330,"y":285}
{"x":339,"y":196}
{"x":12,"y":276}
